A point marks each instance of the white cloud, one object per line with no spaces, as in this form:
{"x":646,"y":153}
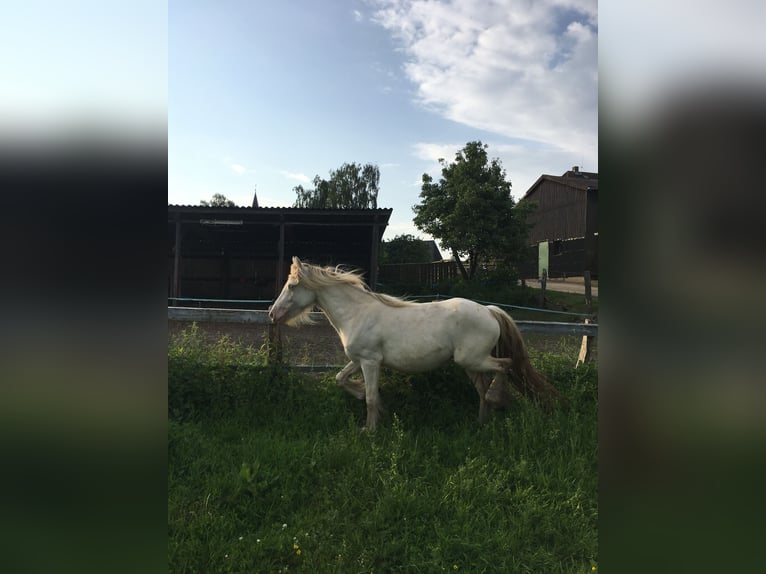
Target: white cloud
{"x":433,"y":152}
{"x":238,"y":168}
{"x":520,"y":68}
{"x":303,"y":178}
{"x":357,"y":15}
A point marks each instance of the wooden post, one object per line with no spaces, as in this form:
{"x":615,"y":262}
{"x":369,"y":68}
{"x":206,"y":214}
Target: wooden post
{"x":586,"y":346}
{"x":373,"y":278}
{"x":224,"y":274}
{"x":586,"y":349}
{"x":177,"y":261}
{"x":543,"y":282}
{"x":275,"y":334}
{"x":274,"y":352}
{"x":278,"y":279}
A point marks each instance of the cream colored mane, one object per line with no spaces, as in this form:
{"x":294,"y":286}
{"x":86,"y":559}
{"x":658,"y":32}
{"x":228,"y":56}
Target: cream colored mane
{"x":314,"y":277}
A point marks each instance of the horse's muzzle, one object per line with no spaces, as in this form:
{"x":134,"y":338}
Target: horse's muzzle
{"x":275,"y":314}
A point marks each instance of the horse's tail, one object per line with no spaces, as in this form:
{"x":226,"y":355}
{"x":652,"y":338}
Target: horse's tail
{"x":528,"y":381}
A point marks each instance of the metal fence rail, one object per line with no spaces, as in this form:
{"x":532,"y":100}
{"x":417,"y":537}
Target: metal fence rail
{"x":203,"y":315}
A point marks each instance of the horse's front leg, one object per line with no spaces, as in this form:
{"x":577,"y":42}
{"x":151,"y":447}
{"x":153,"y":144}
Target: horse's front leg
{"x":354,"y":388}
{"x":481,"y":382}
{"x":371,"y":372}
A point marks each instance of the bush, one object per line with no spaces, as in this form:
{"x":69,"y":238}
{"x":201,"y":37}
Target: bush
{"x":212,"y":380}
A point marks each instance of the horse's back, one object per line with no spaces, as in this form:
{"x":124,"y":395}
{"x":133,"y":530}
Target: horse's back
{"x":423,"y":336}
{"x":454,"y":316}
{"x":467,"y":313}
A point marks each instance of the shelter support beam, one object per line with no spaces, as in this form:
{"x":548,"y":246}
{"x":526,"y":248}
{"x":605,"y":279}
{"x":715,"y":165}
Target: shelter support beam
{"x":374,"y":251}
{"x":177,"y":261}
{"x":278,"y":278}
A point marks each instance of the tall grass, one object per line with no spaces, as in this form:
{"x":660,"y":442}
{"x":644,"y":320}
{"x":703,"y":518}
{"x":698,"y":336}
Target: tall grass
{"x":269,"y":472}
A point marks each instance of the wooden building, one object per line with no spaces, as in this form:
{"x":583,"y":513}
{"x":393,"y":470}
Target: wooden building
{"x":244,"y":253}
{"x":565,"y":224}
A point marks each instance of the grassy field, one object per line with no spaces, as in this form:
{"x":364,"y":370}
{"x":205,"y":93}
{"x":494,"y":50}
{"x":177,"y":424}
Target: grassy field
{"x":269,"y":472}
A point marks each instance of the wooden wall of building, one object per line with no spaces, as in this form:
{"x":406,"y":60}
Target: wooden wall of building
{"x":560,"y":214}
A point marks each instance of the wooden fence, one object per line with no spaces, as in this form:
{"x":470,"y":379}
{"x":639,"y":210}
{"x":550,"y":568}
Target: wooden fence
{"x":417,"y":273}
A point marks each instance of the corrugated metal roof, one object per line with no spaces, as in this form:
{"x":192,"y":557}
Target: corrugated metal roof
{"x":274,"y":215}
{"x":278,"y":209}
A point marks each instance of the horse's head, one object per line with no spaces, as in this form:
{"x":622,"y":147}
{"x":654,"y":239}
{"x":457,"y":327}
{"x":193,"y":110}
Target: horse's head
{"x":294,"y":299}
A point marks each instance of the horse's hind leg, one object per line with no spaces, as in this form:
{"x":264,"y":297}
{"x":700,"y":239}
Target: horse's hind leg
{"x":481,"y":382}
{"x":354,"y":388}
{"x":371,"y":372}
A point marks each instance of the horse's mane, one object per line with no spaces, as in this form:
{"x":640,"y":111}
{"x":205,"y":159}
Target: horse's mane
{"x":315,"y":277}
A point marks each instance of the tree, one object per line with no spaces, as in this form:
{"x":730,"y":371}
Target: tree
{"x":471,"y":212}
{"x":352,"y":186}
{"x":219,"y":200}
{"x":404,"y":248}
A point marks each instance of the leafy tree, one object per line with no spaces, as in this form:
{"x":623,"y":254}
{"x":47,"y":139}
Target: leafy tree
{"x":351,"y":186}
{"x":471,"y":211}
{"x":405,"y":248}
{"x":219,"y":200}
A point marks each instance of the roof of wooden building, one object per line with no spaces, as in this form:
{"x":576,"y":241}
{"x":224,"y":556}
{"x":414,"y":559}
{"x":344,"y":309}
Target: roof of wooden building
{"x":287,"y":214}
{"x":574,"y":178}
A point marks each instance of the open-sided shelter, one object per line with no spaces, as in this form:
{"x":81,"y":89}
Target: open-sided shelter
{"x":244,"y":253}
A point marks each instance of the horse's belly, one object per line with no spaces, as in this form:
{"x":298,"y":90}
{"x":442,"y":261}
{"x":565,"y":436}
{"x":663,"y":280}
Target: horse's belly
{"x":414,"y":356}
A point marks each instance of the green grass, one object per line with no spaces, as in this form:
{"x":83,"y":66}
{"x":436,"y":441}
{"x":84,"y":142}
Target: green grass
{"x":560,"y":301}
{"x":269,"y":472}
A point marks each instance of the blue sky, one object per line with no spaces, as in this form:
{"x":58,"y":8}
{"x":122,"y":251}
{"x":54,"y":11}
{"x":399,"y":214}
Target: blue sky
{"x":270,"y":94}
{"x":90,"y":64}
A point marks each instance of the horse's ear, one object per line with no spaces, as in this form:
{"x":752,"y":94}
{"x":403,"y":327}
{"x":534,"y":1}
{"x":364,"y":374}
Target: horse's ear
{"x":297,"y":262}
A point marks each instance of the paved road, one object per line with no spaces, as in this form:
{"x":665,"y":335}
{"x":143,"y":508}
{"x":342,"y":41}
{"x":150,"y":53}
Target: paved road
{"x":568,"y":285}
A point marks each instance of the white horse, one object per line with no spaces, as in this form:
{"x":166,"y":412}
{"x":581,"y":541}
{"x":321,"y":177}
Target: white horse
{"x":379,"y":330}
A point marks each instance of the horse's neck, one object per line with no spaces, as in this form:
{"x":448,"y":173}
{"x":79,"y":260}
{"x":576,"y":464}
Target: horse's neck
{"x":342,"y":304}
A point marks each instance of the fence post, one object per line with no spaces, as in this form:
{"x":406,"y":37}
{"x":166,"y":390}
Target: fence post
{"x":274,"y":352}
{"x":586,"y":349}
{"x":586,"y":346}
{"x":177,"y":260}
